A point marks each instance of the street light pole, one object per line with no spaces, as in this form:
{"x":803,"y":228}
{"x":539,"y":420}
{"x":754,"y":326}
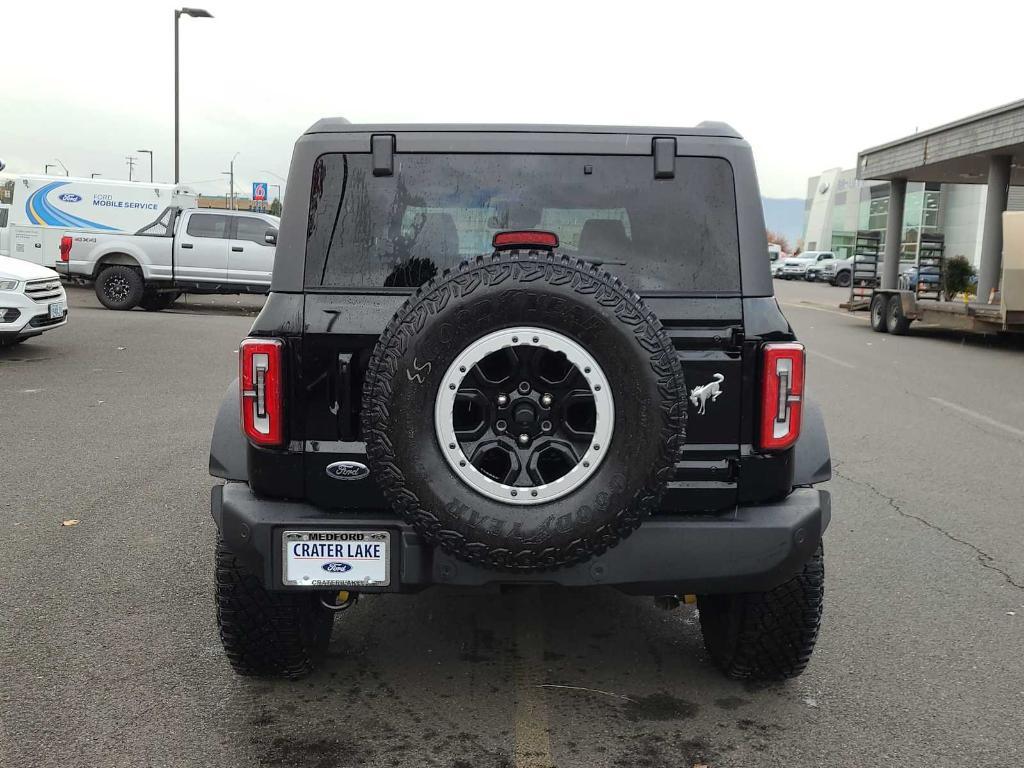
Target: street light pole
{"x":150,"y":153}
{"x":196,"y":13}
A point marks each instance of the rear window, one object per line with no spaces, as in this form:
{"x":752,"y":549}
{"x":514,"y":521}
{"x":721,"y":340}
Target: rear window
{"x":368,"y":232}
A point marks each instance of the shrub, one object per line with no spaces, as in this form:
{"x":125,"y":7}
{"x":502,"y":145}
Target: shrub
{"x":957,"y":277}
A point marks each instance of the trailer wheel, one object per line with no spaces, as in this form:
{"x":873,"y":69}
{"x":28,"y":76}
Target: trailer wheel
{"x":120,"y":287}
{"x":896,"y":321}
{"x":879,"y":315}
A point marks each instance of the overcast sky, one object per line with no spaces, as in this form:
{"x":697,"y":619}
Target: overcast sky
{"x":806,"y":84}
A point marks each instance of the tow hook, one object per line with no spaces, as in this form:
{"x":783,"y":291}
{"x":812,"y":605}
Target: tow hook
{"x":342,"y":601}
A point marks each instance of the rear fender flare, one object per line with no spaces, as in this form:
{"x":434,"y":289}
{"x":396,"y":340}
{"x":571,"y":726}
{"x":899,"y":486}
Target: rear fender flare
{"x":229,"y":448}
{"x":812,"y":461}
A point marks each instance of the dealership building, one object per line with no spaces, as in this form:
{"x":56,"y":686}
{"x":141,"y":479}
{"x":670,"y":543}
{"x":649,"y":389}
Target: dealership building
{"x":954,"y":180}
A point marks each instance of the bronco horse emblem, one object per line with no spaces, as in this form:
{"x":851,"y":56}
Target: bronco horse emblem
{"x":699,"y":396}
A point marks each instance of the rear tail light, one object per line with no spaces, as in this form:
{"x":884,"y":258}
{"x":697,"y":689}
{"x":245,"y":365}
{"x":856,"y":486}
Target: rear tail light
{"x":782,"y":395}
{"x":529,"y":238}
{"x":65,"y":248}
{"x":259,"y":379}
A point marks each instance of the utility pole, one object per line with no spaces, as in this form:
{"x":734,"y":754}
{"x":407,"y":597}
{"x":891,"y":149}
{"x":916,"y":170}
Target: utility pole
{"x":130,"y":159}
{"x":150,"y":153}
{"x":231,"y":173}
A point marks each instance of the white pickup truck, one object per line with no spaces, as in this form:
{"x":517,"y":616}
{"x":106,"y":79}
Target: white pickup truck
{"x":195,"y":250}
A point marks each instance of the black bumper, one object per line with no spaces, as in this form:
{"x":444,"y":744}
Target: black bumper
{"x":751,"y":549}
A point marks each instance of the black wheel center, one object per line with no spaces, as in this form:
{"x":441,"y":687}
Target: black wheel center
{"x":524,"y":414}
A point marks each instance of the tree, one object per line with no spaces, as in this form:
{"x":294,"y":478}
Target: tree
{"x":275,"y":207}
{"x":779,"y":240}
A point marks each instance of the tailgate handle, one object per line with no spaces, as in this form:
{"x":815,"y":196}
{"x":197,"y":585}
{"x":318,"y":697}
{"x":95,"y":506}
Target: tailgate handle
{"x":345,"y":427}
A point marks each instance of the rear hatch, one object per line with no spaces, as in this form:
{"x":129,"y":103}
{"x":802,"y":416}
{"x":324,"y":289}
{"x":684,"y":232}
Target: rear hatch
{"x":373,"y":239}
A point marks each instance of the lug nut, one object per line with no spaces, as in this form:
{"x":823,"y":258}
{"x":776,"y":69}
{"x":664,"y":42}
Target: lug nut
{"x":524,"y":439}
{"x":524,"y":387}
{"x":546,"y":426}
{"x":502,"y":400}
{"x":501,"y":425}
{"x":546,"y":400}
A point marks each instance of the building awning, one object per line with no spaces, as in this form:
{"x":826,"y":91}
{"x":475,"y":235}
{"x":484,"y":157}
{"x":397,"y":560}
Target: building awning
{"x":955,"y":153}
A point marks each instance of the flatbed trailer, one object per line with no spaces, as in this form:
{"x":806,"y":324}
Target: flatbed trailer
{"x":893,"y":310}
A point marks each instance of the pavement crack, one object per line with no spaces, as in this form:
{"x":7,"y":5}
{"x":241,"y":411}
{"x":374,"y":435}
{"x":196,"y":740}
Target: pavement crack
{"x":984,"y":559}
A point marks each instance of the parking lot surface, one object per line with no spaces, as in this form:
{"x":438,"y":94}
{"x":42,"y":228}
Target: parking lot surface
{"x":109,"y":648}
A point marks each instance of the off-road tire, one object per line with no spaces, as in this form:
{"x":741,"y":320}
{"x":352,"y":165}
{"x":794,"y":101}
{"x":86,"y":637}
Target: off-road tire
{"x":120,"y":287}
{"x":766,"y":635}
{"x":895,"y":320}
{"x":494,"y":293}
{"x":843,"y":279}
{"x":879,"y":313}
{"x":267,"y":633}
{"x":156,"y":302}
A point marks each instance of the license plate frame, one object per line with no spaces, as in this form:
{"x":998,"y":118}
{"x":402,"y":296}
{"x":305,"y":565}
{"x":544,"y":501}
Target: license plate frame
{"x":308,"y":571}
{"x":56,"y":310}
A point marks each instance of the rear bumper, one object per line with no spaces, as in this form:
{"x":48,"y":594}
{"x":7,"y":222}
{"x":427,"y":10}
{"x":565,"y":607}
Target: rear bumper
{"x":752,"y":549}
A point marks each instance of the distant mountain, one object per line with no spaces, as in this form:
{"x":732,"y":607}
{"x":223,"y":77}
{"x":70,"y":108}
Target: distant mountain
{"x":784,"y":215}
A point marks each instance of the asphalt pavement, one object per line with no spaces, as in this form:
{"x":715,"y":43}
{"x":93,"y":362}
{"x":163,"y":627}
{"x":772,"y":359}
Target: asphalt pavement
{"x":109,"y":653}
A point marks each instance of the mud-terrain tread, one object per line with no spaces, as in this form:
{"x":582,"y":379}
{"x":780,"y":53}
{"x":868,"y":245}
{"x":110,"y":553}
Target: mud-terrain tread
{"x":267,"y":633}
{"x":766,"y":635}
{"x":522,"y":267}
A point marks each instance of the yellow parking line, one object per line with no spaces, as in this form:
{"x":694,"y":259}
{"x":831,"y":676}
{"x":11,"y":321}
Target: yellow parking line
{"x":532,"y":739}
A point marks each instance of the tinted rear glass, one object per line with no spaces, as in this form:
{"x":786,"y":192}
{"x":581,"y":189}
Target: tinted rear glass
{"x":398,"y":231}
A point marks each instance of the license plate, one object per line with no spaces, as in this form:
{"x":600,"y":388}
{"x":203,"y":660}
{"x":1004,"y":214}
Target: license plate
{"x":57,"y":310}
{"x":336,"y":558}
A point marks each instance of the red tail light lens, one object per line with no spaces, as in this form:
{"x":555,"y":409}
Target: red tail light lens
{"x":782,"y":395}
{"x":259,"y":379}
{"x":65,"y":248}
{"x":525,"y":239}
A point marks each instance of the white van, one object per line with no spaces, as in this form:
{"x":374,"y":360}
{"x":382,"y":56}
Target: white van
{"x":35,"y":210}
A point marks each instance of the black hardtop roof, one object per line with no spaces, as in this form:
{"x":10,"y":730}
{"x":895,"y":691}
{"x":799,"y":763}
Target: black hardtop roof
{"x":341,"y":125}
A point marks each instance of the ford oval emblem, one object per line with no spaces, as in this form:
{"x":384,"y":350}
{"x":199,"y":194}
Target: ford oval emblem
{"x":336,"y":567}
{"x":70,"y":197}
{"x":348,"y":470}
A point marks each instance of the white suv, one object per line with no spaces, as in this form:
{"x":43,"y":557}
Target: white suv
{"x":32,"y":301}
{"x":798,"y":266}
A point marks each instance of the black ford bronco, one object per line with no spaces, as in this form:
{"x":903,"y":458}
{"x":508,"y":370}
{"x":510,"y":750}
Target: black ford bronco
{"x":506,"y":355}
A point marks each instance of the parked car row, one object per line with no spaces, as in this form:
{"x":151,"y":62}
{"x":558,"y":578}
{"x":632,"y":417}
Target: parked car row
{"x":813,"y":266}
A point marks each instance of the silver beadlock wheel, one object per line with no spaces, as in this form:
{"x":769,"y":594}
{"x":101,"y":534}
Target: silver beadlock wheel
{"x":524,"y":415}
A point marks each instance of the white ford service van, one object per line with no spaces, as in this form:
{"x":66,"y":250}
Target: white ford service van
{"x":36,"y":211}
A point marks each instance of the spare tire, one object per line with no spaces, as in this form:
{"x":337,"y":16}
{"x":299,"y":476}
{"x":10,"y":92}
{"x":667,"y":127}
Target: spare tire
{"x":524,"y":411}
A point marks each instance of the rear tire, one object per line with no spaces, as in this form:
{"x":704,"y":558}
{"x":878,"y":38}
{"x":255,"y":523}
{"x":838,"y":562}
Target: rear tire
{"x":843,"y":279}
{"x":879,"y":313}
{"x":267,"y":633}
{"x":766,"y":635}
{"x":895,"y":319}
{"x":119,"y":287}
